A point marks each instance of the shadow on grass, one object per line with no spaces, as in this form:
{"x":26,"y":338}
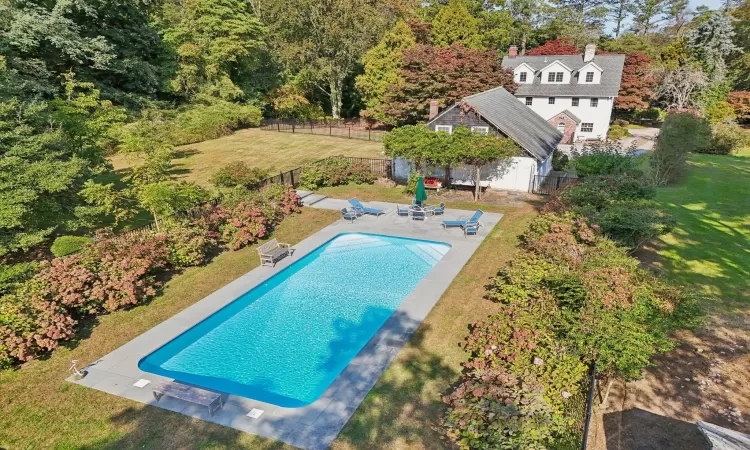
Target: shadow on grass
{"x":403,"y":406}
{"x":710,"y":247}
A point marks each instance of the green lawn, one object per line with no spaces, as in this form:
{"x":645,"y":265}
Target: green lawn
{"x":275,"y":151}
{"x":710,"y":248}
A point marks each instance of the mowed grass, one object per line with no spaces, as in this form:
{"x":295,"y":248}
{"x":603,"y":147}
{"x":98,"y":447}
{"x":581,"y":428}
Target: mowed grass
{"x":40,"y":410}
{"x":277,"y":152}
{"x":709,"y":250}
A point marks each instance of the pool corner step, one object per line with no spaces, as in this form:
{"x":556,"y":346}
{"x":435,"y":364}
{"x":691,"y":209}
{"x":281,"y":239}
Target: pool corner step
{"x":303,"y":194}
{"x":312,"y":199}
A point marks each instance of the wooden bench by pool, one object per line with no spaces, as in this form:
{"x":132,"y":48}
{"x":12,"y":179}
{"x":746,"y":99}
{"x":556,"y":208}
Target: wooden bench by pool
{"x":272,"y":251}
{"x":211,"y":400}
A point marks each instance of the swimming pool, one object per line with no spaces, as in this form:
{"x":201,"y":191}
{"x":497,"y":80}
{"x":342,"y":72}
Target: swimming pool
{"x":285,"y":341}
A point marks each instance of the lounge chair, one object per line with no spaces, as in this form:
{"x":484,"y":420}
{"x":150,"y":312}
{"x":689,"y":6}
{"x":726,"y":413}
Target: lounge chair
{"x":463,"y":222}
{"x":416,"y":203}
{"x":349,"y":215}
{"x":359,"y":207}
{"x":439,"y":210}
{"x":402,"y":211}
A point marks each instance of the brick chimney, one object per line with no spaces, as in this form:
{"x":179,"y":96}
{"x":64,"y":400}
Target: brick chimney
{"x":590,"y":52}
{"x":513,"y":51}
{"x":434,"y":109}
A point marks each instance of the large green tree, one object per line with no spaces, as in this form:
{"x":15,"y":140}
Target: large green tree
{"x":108,"y":42}
{"x":47,"y":151}
{"x":211,"y":39}
{"x":323,"y":41}
{"x":382,"y":67}
{"x":454,"y":24}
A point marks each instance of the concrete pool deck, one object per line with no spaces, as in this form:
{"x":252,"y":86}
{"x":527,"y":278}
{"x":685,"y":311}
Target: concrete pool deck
{"x":316,"y":425}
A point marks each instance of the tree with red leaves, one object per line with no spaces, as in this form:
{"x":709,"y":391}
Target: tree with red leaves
{"x":559,"y":46}
{"x":740,"y":101}
{"x":446,"y":74}
{"x":638,"y":83}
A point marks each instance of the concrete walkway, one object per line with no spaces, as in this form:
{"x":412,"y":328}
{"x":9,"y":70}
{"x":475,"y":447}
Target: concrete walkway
{"x":316,"y":425}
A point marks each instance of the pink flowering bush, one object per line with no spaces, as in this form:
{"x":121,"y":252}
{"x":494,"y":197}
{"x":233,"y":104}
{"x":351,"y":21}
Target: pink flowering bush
{"x":245,"y":224}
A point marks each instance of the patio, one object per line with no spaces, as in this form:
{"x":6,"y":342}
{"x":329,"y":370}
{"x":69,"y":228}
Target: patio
{"x":316,"y":425}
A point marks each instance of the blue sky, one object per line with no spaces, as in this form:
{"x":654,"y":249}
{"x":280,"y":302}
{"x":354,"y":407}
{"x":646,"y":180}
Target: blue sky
{"x":713,"y":4}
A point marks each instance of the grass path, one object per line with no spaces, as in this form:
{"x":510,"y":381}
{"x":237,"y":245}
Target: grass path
{"x":710,"y":248}
{"x":270,"y":150}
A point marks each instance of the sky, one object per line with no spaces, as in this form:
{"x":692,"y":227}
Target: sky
{"x":713,"y":4}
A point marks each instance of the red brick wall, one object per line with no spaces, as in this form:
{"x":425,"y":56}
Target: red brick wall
{"x":570,"y":127}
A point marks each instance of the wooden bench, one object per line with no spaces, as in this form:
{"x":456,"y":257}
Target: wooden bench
{"x":209,"y":399}
{"x":272,"y":251}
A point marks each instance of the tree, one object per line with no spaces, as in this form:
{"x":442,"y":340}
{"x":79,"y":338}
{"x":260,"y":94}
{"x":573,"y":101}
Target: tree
{"x":289,"y":102}
{"x":163,"y":199}
{"x":678,"y":87}
{"x":619,"y":11}
{"x":646,"y":15}
{"x":711,"y":43}
{"x":419,"y":145}
{"x":559,"y":46}
{"x":47,"y":152}
{"x":446,"y":74}
{"x":638,"y":83}
{"x":525,"y":14}
{"x":454,"y":24}
{"x":583,"y":19}
{"x":382,"y":67}
{"x":324,"y":41}
{"x":108,"y":42}
{"x":681,"y":133}
{"x":211,"y":39}
{"x":740,"y":101}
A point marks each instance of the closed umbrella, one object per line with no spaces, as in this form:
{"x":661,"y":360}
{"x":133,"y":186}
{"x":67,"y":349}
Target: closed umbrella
{"x":421,"y":192}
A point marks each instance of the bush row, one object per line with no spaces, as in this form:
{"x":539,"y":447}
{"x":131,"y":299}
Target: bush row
{"x":614,"y":194}
{"x":335,"y":172}
{"x":201,"y":122}
{"x":570,"y":297}
{"x":41,"y":304}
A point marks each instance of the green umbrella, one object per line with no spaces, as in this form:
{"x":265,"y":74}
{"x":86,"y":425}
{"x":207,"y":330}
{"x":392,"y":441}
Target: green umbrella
{"x":421,"y":192}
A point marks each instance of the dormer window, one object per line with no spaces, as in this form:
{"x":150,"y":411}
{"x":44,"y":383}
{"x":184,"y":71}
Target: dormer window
{"x":589,"y":77}
{"x":590,"y":74}
{"x":555,"y":77}
{"x":522,"y":77}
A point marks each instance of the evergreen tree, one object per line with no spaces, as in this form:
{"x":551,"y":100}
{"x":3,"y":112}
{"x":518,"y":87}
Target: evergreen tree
{"x":646,"y":15}
{"x":712,"y":43}
{"x":619,"y":11}
{"x":382,"y":67}
{"x":454,"y":24}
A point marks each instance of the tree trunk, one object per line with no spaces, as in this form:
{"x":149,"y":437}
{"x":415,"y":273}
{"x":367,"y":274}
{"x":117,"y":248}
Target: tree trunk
{"x":447,"y":176}
{"x":337,"y":93}
{"x":478,"y":183}
{"x":156,"y":220}
{"x":523,"y":43}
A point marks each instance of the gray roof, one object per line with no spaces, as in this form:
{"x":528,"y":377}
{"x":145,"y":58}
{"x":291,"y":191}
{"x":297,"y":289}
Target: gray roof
{"x":609,"y":86}
{"x":569,"y":114}
{"x":517,"y":121}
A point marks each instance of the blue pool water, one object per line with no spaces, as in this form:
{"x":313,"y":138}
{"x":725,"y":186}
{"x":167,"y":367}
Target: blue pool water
{"x":285,"y":341}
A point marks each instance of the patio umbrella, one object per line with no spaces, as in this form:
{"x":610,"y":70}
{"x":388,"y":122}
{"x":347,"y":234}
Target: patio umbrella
{"x":421,"y":192}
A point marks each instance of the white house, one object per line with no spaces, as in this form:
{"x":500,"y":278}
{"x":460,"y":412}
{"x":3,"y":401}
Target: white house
{"x":574,"y":93}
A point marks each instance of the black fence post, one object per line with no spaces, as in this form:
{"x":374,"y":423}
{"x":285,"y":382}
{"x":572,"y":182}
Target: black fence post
{"x":292,"y":127}
{"x":278,"y":126}
{"x":368,"y":134}
{"x":589,"y":406}
{"x":330,"y":130}
{"x":350,"y":132}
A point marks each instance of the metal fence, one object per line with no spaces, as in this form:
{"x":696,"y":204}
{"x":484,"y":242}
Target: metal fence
{"x":550,"y":184}
{"x":324,"y":128}
{"x":579,"y":408}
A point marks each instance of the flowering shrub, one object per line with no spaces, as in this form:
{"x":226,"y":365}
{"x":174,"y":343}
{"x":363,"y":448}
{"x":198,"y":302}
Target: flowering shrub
{"x":245,"y":225}
{"x":189,"y":242}
{"x":29,"y":326}
{"x":570,"y":297}
{"x":284,"y":197}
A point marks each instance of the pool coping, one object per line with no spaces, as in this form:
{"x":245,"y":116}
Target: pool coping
{"x":315,"y":426}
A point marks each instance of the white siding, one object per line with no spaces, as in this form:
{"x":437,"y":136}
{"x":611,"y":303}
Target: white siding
{"x":599,"y":116}
{"x":545,"y":167}
{"x":516,"y":175}
{"x":586,"y":69}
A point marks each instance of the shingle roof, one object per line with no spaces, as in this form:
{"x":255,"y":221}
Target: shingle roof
{"x":517,"y":121}
{"x":608,"y":87}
